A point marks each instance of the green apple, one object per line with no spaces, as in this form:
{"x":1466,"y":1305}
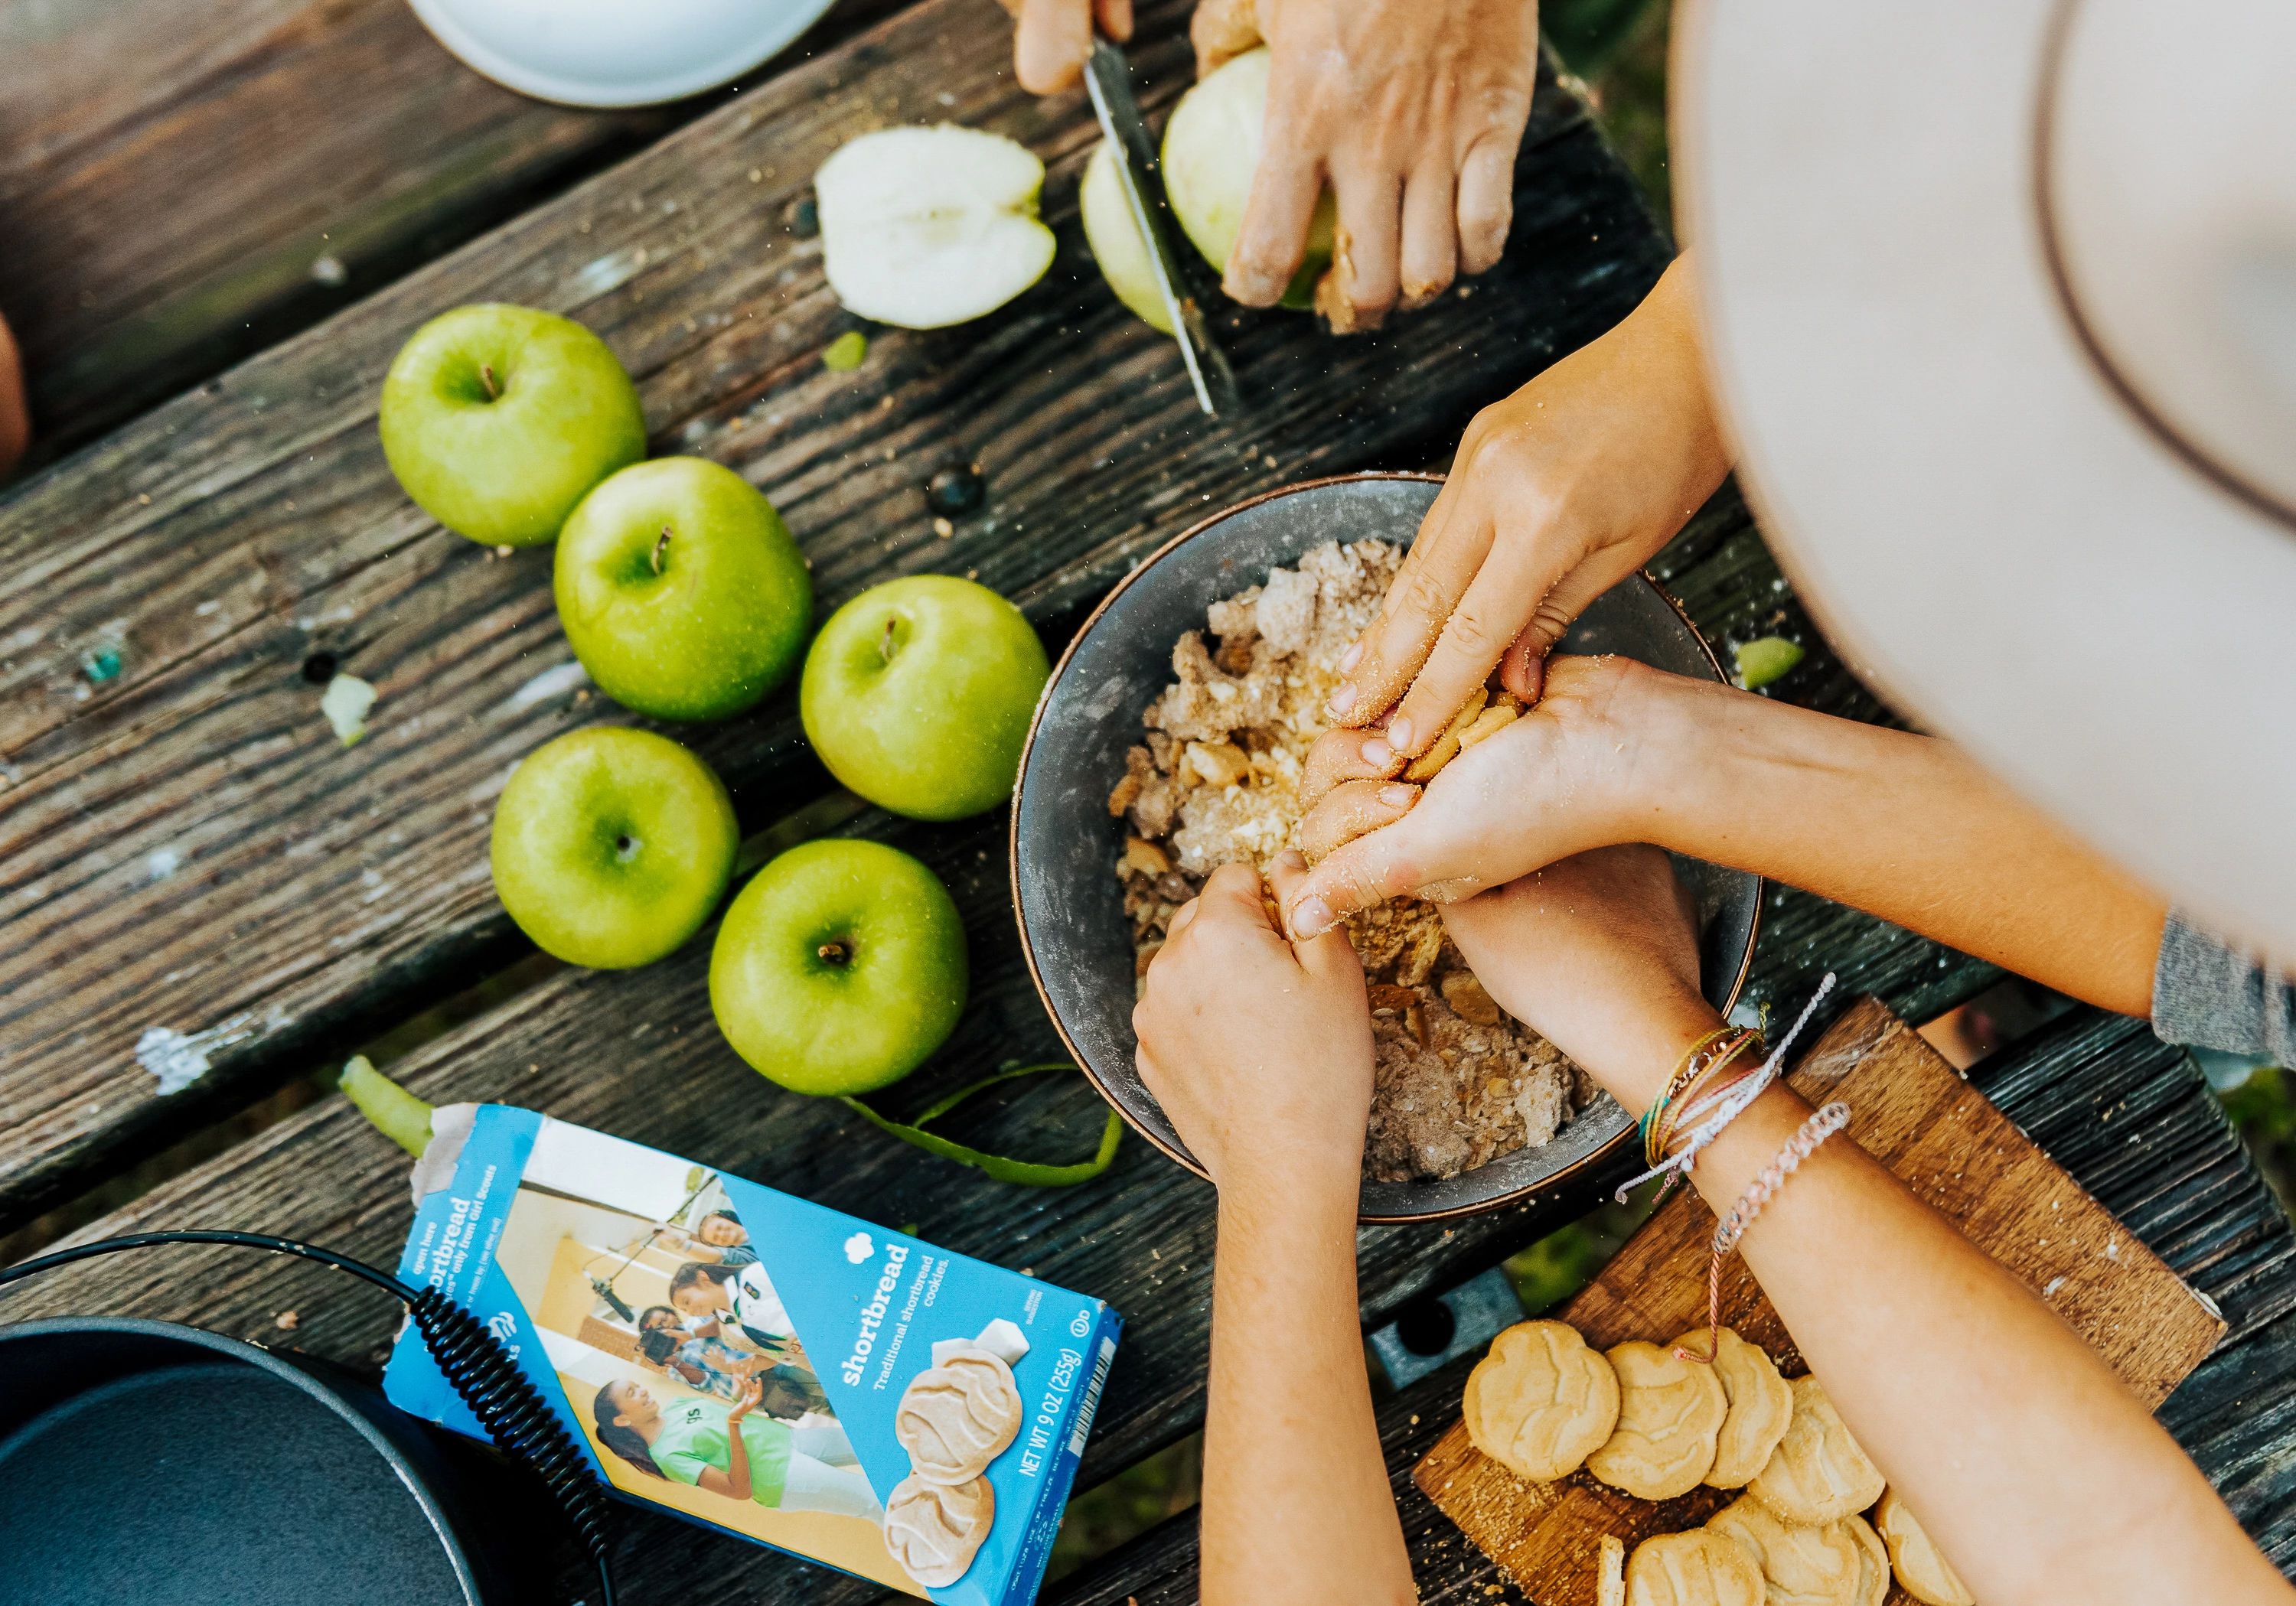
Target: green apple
{"x":924,"y":227}
{"x":918,"y":694}
{"x":681,"y":589}
{"x":611,"y":846}
{"x":839,"y":968}
{"x":1115,"y":238}
{"x":498,"y":419}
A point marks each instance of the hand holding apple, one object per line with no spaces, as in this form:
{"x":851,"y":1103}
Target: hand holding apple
{"x":680,"y":590}
{"x":498,"y":419}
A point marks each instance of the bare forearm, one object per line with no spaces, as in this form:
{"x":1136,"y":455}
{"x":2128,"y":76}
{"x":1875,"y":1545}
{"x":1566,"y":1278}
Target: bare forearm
{"x":1906,"y":828}
{"x":2041,"y":1478}
{"x":1296,"y":1504}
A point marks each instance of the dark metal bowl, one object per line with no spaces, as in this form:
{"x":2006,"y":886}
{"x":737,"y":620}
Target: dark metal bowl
{"x":1064,"y":845}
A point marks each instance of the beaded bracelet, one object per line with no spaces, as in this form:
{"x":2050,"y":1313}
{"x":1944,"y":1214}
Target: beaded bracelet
{"x":1821,"y":1124}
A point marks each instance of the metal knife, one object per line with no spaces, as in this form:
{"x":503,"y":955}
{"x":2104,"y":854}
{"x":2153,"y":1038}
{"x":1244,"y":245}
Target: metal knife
{"x":1109,"y":79}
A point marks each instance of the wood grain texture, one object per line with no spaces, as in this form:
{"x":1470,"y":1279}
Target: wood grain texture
{"x":1959,"y":1154}
{"x":171,"y":174}
{"x":186,"y":849}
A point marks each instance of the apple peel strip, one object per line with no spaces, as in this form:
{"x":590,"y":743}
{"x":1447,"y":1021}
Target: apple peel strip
{"x":1026,"y":1174}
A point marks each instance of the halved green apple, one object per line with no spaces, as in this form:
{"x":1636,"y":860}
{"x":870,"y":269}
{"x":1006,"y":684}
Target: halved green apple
{"x":927,"y":226}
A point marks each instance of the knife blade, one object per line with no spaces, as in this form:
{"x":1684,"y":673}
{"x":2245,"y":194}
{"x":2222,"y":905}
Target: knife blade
{"x":1109,"y":79}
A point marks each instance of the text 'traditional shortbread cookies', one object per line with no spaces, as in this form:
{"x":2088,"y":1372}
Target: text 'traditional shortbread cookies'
{"x":1760,"y":1408}
{"x":1701,"y":1567}
{"x":1669,"y":1415}
{"x":957,"y":1417}
{"x":933,"y":1530}
{"x":1610,"y":1572}
{"x":1801,"y":1566}
{"x":1818,"y":1474}
{"x":1540,"y":1400}
{"x":1873,"y":1562}
{"x":1913,"y":1557}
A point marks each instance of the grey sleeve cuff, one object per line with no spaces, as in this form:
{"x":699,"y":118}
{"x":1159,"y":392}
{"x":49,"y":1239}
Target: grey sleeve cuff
{"x":2206,"y":995}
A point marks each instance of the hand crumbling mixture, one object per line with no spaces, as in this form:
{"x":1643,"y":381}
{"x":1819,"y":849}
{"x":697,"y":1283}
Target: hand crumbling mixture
{"x":1458,"y":1082}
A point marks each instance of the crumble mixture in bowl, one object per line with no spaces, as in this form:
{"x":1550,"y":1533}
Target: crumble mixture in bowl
{"x":1456,"y":1082}
{"x":1081,"y":918}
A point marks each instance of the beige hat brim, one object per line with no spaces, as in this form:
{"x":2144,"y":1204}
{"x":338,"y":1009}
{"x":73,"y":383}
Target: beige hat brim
{"x":2003,"y":549}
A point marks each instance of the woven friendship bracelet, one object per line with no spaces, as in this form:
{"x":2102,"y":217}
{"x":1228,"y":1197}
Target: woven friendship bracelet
{"x":1726,"y":1105}
{"x":1805,"y":1142}
{"x":1712,"y":1053}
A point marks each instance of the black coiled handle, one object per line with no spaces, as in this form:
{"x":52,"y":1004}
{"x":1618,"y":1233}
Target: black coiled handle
{"x":516,"y":1417}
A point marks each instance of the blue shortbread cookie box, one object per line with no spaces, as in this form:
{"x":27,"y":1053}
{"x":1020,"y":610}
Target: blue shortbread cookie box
{"x":569,"y":1243}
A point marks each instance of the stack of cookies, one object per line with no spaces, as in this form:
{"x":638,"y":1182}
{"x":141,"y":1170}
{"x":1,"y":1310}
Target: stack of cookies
{"x":1543,"y":1405}
{"x":954,"y":1418}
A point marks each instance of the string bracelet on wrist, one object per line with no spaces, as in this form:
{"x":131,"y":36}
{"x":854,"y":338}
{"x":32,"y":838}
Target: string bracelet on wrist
{"x":1823,"y":1124}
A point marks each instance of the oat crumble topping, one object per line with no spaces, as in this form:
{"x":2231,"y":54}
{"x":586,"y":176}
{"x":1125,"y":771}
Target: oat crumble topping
{"x":1456,"y":1081}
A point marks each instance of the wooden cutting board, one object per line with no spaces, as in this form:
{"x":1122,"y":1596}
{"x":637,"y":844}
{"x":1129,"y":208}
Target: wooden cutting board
{"x":1913,"y":1112}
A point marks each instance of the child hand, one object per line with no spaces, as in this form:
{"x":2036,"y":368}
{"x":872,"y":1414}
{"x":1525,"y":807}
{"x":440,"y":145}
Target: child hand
{"x":1599,"y":954}
{"x":1585,"y":768}
{"x":745,"y":1402}
{"x":1259,"y":1049}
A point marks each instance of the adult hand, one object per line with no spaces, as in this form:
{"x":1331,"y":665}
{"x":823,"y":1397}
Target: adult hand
{"x":1585,"y":767}
{"x":1599,"y":954}
{"x":1259,"y":1049}
{"x":1558,"y":493}
{"x":1412,"y":109}
{"x":1051,"y":38}
{"x":15,"y":416}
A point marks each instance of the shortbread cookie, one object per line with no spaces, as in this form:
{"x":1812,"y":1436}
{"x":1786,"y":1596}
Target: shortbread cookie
{"x":1913,"y":1557}
{"x":1701,"y":1567}
{"x":1760,"y":1408}
{"x":1872,"y":1563}
{"x":1669,"y":1414}
{"x":1818,"y":1474}
{"x":1610,"y":1572}
{"x":957,"y":1417}
{"x":1801,"y":1566}
{"x":1540,"y":1400}
{"x":934,"y":1529}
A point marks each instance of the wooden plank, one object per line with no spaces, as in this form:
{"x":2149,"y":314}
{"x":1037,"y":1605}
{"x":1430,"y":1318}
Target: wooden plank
{"x":186,"y":849}
{"x":1954,"y":1150}
{"x":174,"y":175}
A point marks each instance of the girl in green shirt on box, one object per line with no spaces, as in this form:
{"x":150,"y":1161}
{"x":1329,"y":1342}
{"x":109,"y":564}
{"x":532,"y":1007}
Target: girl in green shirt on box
{"x":720,"y":1447}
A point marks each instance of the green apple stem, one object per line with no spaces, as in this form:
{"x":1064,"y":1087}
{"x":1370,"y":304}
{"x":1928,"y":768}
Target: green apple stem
{"x":660,"y":546}
{"x":885,"y":641}
{"x":486,"y":378}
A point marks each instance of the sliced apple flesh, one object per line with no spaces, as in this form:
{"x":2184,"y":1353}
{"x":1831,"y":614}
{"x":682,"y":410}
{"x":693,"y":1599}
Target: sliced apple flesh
{"x":1109,"y":229}
{"x":923,"y":228}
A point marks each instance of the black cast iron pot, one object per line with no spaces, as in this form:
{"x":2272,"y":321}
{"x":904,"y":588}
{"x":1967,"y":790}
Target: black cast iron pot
{"x":143,"y":1464}
{"x":1064,"y":845}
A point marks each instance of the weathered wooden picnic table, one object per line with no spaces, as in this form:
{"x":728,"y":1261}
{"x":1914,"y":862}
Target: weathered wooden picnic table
{"x":220,"y":227}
